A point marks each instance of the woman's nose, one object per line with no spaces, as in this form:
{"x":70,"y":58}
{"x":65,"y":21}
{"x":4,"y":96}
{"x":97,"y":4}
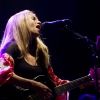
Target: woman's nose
{"x":39,"y":22}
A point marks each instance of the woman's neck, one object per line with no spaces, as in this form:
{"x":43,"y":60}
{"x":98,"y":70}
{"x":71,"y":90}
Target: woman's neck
{"x":33,"y":47}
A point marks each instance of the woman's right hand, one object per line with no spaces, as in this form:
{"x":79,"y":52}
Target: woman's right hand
{"x":43,"y":91}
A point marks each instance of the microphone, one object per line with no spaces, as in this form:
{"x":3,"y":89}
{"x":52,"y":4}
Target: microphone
{"x":62,"y":22}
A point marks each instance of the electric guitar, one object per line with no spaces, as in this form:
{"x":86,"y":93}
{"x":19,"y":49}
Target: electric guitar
{"x":57,"y":90}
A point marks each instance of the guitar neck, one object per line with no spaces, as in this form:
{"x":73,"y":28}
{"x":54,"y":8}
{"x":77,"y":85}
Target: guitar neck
{"x":72,"y":84}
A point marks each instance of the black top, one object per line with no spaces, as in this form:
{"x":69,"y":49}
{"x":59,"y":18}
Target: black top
{"x":21,"y":68}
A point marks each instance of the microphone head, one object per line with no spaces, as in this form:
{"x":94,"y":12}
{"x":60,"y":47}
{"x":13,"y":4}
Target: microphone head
{"x":58,"y":23}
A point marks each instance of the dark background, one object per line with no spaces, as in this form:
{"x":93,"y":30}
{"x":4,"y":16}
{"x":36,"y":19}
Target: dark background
{"x":71,"y":57}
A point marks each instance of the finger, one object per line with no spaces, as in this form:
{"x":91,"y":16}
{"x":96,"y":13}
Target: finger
{"x":48,"y":95}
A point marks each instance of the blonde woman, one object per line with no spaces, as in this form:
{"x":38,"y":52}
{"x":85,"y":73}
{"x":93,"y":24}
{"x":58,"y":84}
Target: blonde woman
{"x":33,"y":77}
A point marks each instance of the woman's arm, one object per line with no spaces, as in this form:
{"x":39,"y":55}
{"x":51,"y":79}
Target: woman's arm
{"x":10,"y":77}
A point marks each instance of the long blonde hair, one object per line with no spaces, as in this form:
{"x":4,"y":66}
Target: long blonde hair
{"x":17,"y":31}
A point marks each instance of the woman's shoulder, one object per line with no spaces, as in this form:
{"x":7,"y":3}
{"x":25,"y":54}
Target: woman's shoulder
{"x":11,"y":45}
{"x":10,"y":48}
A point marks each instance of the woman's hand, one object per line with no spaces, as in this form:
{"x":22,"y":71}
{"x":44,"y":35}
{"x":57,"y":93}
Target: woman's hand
{"x":43,"y":91}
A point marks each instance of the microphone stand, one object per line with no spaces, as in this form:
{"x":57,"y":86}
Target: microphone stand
{"x":94,"y":55}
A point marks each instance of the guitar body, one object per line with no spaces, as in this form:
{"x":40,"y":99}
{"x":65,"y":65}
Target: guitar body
{"x":28,"y":94}
{"x":45,"y":80}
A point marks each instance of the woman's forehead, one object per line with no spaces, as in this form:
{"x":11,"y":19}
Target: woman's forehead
{"x":32,"y":15}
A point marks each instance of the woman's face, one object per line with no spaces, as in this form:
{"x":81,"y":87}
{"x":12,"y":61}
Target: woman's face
{"x":34,"y":24}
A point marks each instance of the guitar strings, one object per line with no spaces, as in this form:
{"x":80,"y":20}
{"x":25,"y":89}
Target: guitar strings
{"x":35,"y":97}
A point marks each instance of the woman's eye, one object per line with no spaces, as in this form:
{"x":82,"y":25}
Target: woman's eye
{"x":34,"y":18}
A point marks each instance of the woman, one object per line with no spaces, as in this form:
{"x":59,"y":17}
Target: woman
{"x":21,"y":41}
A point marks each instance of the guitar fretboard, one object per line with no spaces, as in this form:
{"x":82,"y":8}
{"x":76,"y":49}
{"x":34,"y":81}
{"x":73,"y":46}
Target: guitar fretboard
{"x":72,"y":84}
